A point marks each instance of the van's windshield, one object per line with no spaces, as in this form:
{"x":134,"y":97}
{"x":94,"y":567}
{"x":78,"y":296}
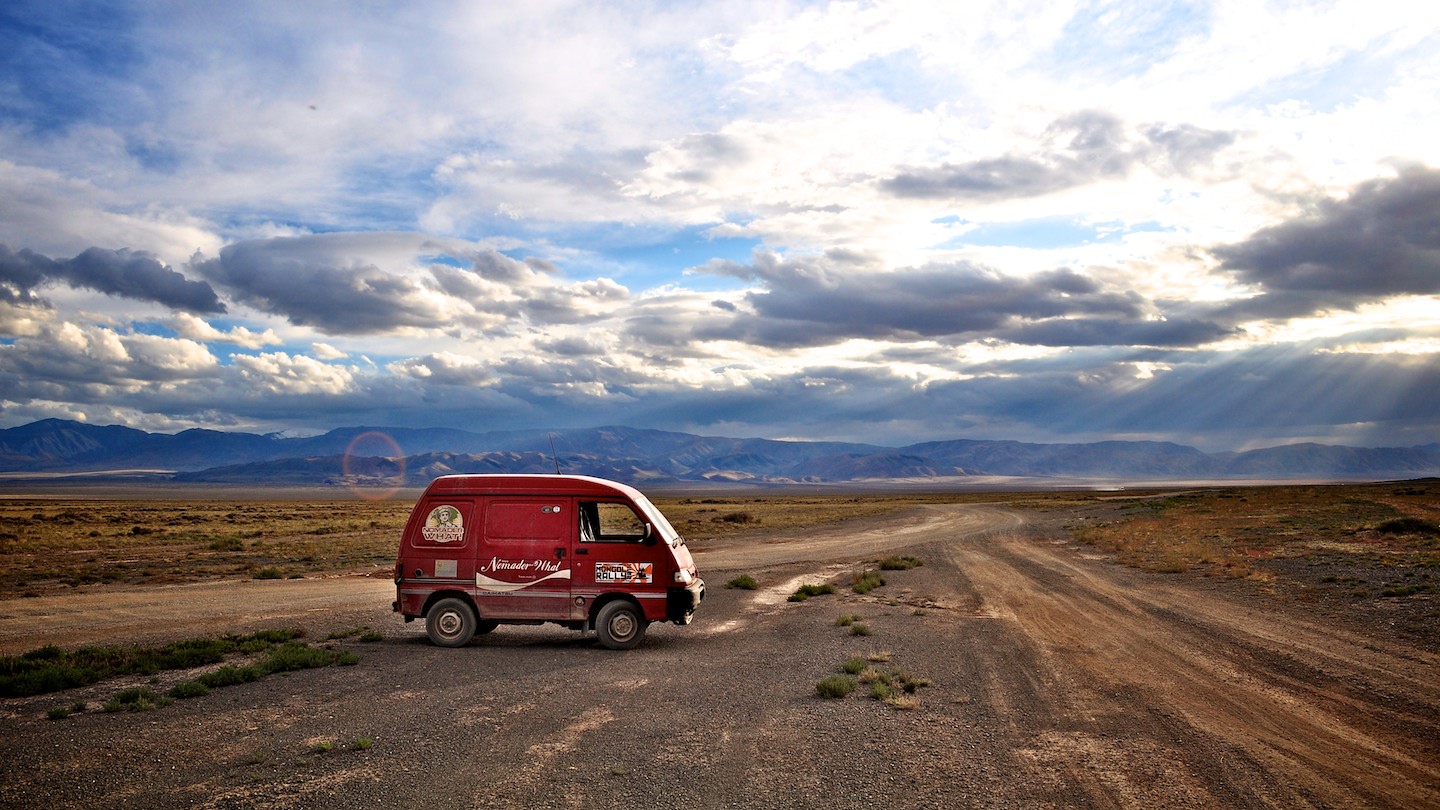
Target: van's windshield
{"x":671,"y":537}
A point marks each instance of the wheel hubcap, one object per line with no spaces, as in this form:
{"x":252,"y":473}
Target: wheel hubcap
{"x":449,"y":624}
{"x":622,"y":626}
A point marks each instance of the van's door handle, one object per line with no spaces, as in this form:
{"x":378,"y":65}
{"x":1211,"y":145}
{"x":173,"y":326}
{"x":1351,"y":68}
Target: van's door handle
{"x":582,"y":551}
{"x":559,"y":553}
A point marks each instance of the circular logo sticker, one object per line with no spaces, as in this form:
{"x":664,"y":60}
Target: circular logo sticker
{"x":443,"y":525}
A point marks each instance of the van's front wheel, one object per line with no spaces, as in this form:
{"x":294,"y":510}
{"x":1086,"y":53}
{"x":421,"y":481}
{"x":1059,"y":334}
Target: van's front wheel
{"x":619,"y":625}
{"x":450,"y":623}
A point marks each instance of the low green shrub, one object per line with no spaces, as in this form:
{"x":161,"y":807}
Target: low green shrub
{"x":280,"y":635}
{"x":230,"y":675}
{"x":866,"y":581}
{"x":136,"y":699}
{"x":189,"y":689}
{"x":292,"y":656}
{"x":1408,"y":525}
{"x":1408,"y":590}
{"x":895,"y":687}
{"x":193,"y":653}
{"x":904,"y":681}
{"x":902,"y":702}
{"x":49,"y":652}
{"x":835,"y":686}
{"x":53,"y":678}
{"x":902,"y":563}
{"x":744,"y":582}
{"x":52,"y":669}
{"x":806,"y":591}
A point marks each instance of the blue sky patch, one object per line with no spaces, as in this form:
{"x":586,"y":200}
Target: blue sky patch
{"x":1040,"y":234}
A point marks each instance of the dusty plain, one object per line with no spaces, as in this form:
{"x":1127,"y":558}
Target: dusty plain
{"x":1179,"y":647}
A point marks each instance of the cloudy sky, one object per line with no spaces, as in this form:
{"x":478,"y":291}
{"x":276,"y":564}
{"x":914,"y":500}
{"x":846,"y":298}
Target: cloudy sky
{"x":1216,"y":223}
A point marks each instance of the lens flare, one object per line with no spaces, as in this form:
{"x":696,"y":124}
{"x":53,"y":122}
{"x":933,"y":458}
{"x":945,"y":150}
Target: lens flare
{"x":373,"y":466}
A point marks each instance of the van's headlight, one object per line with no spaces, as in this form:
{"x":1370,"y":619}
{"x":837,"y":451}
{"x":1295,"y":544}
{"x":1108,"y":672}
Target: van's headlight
{"x":683,"y":577}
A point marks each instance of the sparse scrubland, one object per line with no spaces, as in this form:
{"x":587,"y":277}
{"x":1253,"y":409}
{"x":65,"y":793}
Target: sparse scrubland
{"x":1357,"y":541}
{"x":1366,"y":540}
{"x":1189,"y":647}
{"x":55,"y":543}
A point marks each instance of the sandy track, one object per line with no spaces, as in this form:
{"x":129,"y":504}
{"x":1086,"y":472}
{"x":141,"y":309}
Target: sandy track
{"x":1330,"y":718}
{"x":128,"y":615}
{"x":1059,"y":680}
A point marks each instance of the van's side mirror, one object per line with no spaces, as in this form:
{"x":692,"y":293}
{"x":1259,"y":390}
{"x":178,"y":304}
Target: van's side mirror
{"x":648,"y":538}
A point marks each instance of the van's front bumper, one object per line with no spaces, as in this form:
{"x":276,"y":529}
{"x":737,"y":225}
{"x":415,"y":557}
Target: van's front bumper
{"x":680,"y":603}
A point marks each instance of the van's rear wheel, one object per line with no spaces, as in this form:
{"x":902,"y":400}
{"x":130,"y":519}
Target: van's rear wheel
{"x":619,"y":625}
{"x":451,"y":623}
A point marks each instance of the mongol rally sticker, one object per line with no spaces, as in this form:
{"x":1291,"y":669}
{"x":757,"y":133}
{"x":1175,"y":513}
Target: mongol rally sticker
{"x":443,"y":525}
{"x":629,"y":573}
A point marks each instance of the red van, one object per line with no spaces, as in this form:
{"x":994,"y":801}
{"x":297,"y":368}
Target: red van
{"x":480,"y":551}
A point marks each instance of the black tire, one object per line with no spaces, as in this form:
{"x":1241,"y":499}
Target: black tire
{"x":620,"y":625}
{"x":451,"y":623}
{"x":486,"y":626}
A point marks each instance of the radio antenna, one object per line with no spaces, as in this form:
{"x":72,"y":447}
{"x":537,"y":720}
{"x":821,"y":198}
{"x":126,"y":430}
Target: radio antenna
{"x":553,"y":454}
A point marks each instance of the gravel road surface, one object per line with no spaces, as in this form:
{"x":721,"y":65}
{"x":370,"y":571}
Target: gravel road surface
{"x":1057,"y":679}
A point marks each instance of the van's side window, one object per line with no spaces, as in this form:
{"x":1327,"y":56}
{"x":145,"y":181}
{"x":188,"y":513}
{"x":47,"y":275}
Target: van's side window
{"x":604,"y":522}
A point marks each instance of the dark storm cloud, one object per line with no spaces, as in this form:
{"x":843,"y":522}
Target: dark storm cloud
{"x":500,"y":286}
{"x":321,"y":281}
{"x":812,"y":301}
{"x":20,"y":274}
{"x":1186,"y":146}
{"x":574,"y":347}
{"x":498,"y":267}
{"x":125,"y":273}
{"x":1382,"y":240}
{"x":1114,"y":332}
{"x":992,"y":178}
{"x":1080,"y":148}
{"x":300,"y":279}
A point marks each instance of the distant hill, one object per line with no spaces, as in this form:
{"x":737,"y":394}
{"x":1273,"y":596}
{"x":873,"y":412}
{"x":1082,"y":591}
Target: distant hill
{"x":641,"y":455}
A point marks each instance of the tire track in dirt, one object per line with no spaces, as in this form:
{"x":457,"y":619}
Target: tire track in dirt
{"x":1108,"y":637}
{"x":871,"y":538}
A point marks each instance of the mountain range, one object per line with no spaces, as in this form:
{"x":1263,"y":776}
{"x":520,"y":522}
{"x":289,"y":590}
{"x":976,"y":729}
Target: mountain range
{"x":413,"y":456}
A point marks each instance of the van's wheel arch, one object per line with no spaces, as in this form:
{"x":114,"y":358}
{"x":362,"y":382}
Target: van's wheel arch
{"x":451,"y":622}
{"x":620,"y":625}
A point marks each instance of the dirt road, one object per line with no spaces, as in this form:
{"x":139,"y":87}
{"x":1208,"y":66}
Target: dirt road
{"x":1058,"y":679}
